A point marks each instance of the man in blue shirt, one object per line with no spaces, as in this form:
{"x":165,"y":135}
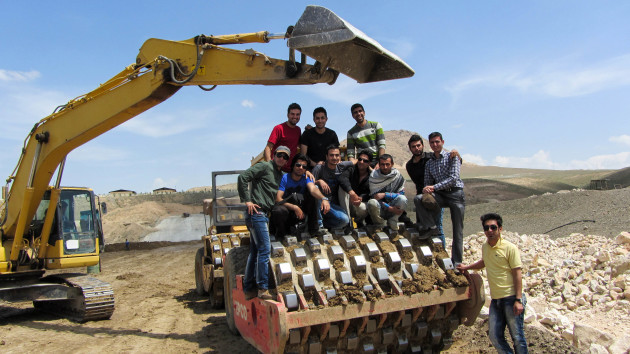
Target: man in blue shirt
{"x":441,"y":179}
{"x":290,"y":208}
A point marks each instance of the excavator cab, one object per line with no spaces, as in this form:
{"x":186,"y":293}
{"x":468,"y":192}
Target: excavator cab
{"x":76,"y":228}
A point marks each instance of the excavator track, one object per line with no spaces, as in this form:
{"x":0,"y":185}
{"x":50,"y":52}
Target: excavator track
{"x":89,"y":299}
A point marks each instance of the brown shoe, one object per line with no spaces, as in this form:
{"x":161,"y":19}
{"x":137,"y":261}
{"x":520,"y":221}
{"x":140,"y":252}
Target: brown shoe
{"x":251,"y":294}
{"x":264,"y":295}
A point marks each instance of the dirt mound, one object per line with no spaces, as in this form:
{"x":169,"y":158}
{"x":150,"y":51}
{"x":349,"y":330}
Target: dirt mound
{"x":134,"y":222}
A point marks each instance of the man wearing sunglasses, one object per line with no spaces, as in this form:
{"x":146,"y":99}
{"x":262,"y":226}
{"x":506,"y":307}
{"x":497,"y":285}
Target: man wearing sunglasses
{"x":355,"y":181}
{"x":502,"y":261}
{"x":265,"y":178}
{"x":387,"y":188}
{"x":364,"y":135}
{"x":285,"y":134}
{"x":290,"y":208}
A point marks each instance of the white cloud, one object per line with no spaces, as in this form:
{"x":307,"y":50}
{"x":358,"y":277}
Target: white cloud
{"x":247,"y":104}
{"x":21,"y":76}
{"x":164,"y":124}
{"x":93,"y":152}
{"x":347,"y":91}
{"x":476,"y":159}
{"x":403,"y":48}
{"x":557,"y":79}
{"x":542,"y":160}
{"x":621,"y":139}
{"x":23,"y":106}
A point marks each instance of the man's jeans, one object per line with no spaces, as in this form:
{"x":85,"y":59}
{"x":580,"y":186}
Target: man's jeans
{"x":438,"y":222}
{"x":257,"y":269}
{"x":502,"y":314}
{"x":455,"y":201}
{"x":380,"y":215}
{"x":335,"y":218}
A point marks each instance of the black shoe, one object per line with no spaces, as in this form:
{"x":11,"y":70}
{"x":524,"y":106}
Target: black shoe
{"x":319,"y":232}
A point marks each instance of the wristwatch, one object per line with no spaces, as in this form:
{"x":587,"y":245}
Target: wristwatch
{"x":518,"y":300}
{"x":324,"y":198}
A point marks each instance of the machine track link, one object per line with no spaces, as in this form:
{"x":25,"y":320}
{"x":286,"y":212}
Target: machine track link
{"x":89,"y":299}
{"x":365,"y":292}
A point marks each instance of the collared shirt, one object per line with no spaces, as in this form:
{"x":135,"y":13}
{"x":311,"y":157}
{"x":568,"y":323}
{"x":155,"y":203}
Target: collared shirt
{"x":500,"y":259}
{"x":443,"y":172}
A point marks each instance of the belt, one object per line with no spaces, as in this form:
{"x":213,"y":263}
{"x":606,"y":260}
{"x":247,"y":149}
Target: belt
{"x":452,"y":189}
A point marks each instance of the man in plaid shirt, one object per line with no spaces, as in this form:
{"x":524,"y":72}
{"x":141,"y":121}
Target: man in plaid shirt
{"x":441,"y":179}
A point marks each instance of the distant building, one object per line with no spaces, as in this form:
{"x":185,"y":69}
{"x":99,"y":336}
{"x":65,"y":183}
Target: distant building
{"x":164,"y":190}
{"x":122,"y":193}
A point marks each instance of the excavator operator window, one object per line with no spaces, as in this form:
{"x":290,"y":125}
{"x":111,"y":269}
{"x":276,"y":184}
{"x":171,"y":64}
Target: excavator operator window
{"x":76,"y":217}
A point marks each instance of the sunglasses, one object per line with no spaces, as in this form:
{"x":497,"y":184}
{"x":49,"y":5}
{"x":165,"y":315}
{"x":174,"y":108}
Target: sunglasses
{"x":300,"y":165}
{"x":282,"y":155}
{"x":363,"y":160}
{"x":490,"y":227}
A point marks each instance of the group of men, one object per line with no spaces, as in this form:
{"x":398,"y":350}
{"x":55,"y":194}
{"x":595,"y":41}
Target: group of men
{"x":319,"y":192}
{"x":328,"y":193}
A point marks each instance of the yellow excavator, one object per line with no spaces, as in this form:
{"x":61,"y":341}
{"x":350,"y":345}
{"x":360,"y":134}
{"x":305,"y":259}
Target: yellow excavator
{"x":45,"y":227}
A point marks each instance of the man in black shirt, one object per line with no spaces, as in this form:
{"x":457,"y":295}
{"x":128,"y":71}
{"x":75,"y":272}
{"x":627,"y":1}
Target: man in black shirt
{"x":327,"y":179}
{"x":314,"y":141}
{"x":355,"y":182}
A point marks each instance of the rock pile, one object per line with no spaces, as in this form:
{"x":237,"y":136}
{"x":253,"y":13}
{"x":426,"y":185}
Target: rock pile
{"x":577,"y":286}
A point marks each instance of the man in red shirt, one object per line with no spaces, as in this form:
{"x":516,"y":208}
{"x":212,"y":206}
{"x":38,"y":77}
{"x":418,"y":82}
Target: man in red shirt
{"x":286,"y":134}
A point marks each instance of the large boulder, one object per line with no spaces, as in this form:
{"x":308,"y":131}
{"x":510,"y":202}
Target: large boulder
{"x":622,"y":238}
{"x":584,"y":336}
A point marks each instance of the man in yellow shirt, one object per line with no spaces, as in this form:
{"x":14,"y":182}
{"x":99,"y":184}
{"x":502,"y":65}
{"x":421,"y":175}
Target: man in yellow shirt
{"x":502,"y":261}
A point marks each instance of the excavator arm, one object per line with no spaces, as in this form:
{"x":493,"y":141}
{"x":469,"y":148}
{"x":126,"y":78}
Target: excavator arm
{"x":162,"y":67}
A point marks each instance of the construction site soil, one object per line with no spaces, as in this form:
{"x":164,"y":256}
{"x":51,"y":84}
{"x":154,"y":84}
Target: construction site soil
{"x":157,"y":309}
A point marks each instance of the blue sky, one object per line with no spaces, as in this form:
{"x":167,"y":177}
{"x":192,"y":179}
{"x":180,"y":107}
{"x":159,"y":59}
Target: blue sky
{"x":536,"y":84}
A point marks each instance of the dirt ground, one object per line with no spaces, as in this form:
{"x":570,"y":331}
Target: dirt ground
{"x":157,"y":310}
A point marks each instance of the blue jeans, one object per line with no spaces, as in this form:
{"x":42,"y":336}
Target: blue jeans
{"x":502,"y":314}
{"x":335,"y":218}
{"x":257,"y":269}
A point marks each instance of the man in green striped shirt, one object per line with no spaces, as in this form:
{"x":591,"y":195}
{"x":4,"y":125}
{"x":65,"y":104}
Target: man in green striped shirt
{"x":364,"y":135}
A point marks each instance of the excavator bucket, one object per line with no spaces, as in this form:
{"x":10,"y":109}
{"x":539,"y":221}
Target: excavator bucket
{"x":327,"y":38}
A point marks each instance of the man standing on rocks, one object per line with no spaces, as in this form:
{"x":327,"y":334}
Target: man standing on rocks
{"x":265,"y":178}
{"x":441,"y":180}
{"x":502,"y":261}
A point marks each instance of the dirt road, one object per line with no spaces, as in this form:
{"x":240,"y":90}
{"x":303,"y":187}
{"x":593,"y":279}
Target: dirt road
{"x":157,"y":310}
